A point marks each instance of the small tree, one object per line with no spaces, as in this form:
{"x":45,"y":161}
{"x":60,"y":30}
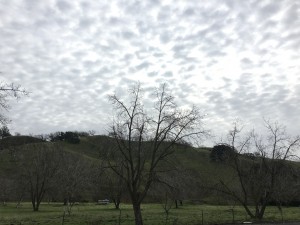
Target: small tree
{"x":72,"y":179}
{"x":4,"y":132}
{"x":145,"y":139}
{"x":258,"y":179}
{"x":221,"y":152}
{"x":57,"y":136}
{"x":115,"y":187}
{"x":72,"y":137}
{"x":5,"y":189}
{"x":39,"y":163}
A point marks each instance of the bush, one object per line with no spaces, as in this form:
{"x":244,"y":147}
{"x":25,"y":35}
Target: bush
{"x":221,"y":153}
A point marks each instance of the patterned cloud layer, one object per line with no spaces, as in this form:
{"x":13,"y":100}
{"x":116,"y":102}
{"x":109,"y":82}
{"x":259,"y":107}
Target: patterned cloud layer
{"x":234,"y":59}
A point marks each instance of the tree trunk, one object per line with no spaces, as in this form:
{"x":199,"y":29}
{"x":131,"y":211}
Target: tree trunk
{"x":259,"y":211}
{"x":117,"y":202}
{"x":260,"y":214}
{"x":137,"y":213}
{"x":65,"y":201}
{"x":36,"y":201}
{"x":176,"y":204}
{"x":36,"y":208}
{"x":34,"y":204}
{"x":248,"y":211}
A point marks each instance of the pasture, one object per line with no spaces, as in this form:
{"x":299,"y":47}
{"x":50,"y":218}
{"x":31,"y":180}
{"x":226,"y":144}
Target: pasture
{"x":153,"y":214}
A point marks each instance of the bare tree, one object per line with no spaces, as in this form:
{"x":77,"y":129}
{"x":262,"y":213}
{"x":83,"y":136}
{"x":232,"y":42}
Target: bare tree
{"x":173,"y":185}
{"x":39,"y":163}
{"x":7,"y":91}
{"x":5,"y":189}
{"x":97,"y":178}
{"x":73,"y":177}
{"x":115,"y":186}
{"x":20,"y":187}
{"x":259,"y":177}
{"x":145,"y":139}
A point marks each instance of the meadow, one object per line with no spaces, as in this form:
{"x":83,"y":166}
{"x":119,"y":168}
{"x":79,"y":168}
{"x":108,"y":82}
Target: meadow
{"x":153,"y":214}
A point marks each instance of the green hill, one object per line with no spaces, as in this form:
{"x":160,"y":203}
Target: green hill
{"x":13,"y":141}
{"x":193,"y":164}
{"x":192,"y":170}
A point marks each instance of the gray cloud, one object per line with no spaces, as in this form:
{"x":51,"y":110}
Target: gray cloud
{"x":232,"y":58}
{"x":63,"y":6}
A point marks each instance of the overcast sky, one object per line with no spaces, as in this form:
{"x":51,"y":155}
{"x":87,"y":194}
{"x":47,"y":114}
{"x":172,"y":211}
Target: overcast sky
{"x":233,"y":59}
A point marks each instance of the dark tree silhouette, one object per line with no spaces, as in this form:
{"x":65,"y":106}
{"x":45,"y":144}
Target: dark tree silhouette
{"x":39,"y":164}
{"x":4,"y":132}
{"x":260,"y":179}
{"x":146,"y":138}
{"x":221,"y":152}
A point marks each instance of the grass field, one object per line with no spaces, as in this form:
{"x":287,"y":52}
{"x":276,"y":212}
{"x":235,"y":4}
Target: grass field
{"x":153,"y":214}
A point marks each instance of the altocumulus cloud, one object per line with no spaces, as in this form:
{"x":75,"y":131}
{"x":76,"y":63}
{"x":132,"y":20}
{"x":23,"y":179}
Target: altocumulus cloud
{"x":234,"y":59}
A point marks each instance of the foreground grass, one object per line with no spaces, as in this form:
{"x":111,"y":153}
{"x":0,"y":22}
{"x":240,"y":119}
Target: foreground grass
{"x":153,"y":214}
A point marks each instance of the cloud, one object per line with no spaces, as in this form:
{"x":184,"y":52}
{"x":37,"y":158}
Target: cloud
{"x":63,"y":6}
{"x":232,"y":58}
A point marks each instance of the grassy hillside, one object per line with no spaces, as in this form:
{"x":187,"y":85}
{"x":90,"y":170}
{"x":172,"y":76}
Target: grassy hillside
{"x":9,"y":148}
{"x":193,"y":169}
{"x":14,"y":141}
{"x":194,"y":166}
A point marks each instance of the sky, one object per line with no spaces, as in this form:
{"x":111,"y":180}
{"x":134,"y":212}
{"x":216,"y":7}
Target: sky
{"x":232,"y":59}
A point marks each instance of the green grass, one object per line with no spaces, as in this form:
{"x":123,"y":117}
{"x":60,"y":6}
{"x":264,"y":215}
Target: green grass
{"x":153,"y":214}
